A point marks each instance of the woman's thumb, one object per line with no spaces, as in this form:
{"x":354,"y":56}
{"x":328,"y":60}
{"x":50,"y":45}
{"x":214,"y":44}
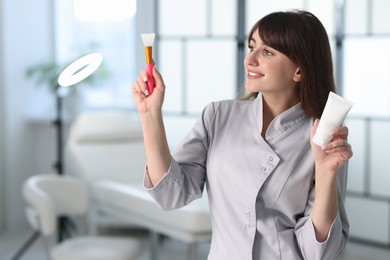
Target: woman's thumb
{"x":314,"y":127}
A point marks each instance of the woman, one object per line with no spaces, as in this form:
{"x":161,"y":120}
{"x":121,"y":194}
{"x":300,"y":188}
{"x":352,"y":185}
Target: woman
{"x":273,"y":194}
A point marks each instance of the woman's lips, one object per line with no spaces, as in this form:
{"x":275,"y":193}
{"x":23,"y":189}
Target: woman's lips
{"x":253,"y":75}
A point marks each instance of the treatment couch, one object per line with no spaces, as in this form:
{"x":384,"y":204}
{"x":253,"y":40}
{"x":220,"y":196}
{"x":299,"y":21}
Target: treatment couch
{"x":106,"y":150}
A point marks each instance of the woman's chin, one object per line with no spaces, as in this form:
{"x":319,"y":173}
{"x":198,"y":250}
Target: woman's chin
{"x":251,"y":88}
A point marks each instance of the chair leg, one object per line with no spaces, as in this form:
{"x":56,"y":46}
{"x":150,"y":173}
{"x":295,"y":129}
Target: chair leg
{"x":153,"y":240}
{"x":192,"y":251}
{"x":26,"y":245}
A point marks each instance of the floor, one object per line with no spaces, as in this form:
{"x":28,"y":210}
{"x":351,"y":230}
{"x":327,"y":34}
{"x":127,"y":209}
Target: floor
{"x":169,"y":249}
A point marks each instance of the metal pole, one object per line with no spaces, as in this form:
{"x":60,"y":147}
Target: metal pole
{"x":339,"y":20}
{"x":240,"y":44}
{"x":153,"y":241}
{"x":59,"y":136}
{"x":26,"y":245}
{"x":62,"y":221}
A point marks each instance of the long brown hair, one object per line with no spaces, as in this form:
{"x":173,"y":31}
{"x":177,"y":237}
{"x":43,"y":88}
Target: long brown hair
{"x":303,"y":39}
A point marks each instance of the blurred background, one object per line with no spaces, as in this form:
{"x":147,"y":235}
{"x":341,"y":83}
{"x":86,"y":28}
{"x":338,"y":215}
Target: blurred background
{"x":199,"y":49}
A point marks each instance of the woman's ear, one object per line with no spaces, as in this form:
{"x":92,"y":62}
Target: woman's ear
{"x":297,"y":75}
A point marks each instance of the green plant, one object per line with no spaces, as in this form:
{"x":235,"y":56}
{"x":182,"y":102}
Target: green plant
{"x":45,"y":74}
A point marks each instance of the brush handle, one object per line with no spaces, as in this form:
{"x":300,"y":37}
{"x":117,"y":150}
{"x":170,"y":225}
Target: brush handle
{"x":149,"y":70}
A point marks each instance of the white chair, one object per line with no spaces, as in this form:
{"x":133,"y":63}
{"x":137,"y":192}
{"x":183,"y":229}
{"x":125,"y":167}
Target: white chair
{"x":50,"y":196}
{"x":106,"y":150}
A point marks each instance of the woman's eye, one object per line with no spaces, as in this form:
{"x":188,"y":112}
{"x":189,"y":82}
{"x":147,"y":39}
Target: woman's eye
{"x":250,"y":48}
{"x":268,"y":53}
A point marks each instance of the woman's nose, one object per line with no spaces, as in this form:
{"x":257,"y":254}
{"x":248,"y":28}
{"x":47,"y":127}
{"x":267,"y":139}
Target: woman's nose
{"x":251,"y":60}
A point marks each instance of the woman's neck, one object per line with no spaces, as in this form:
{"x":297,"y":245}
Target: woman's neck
{"x":274,"y":106}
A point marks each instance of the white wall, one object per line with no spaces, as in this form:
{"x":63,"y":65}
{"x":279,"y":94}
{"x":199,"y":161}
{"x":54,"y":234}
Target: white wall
{"x":25,"y":40}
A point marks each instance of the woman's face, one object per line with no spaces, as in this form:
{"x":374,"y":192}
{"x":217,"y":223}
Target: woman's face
{"x":268,"y":70}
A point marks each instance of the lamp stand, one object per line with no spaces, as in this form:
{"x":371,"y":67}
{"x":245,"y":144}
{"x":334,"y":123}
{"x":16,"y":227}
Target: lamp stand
{"x":58,"y":123}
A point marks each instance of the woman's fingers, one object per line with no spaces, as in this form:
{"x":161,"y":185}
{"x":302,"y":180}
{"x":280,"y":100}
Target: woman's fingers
{"x":141,"y":83}
{"x":334,"y":154}
{"x":339,"y":143}
{"x":158,"y":78}
{"x":145,"y":100}
{"x":340,"y":132}
{"x":144,"y":85}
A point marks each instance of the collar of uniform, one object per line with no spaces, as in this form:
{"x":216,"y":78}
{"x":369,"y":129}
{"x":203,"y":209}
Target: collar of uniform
{"x":282,"y":124}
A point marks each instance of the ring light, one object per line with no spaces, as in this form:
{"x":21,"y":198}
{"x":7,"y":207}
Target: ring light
{"x":80,"y":69}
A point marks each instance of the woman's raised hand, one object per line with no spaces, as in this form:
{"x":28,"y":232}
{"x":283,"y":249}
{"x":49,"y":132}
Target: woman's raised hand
{"x":148,"y":102}
{"x":334,"y":155}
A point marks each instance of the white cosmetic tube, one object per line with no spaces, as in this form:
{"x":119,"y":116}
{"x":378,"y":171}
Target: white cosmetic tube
{"x":335,"y":111}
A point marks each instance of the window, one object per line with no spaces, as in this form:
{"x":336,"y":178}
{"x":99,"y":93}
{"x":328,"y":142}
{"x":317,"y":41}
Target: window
{"x":367,"y":57}
{"x":197,"y":46}
{"x":107,"y":27}
{"x":197,"y":51}
{"x":366,"y":81}
{"x":324,"y":10}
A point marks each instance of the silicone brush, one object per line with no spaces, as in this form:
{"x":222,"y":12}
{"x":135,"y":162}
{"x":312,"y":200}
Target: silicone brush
{"x":148,"y":39}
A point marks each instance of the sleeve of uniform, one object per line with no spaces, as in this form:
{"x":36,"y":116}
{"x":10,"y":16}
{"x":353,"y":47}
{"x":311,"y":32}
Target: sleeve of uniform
{"x":185,"y":179}
{"x":338,"y":233}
